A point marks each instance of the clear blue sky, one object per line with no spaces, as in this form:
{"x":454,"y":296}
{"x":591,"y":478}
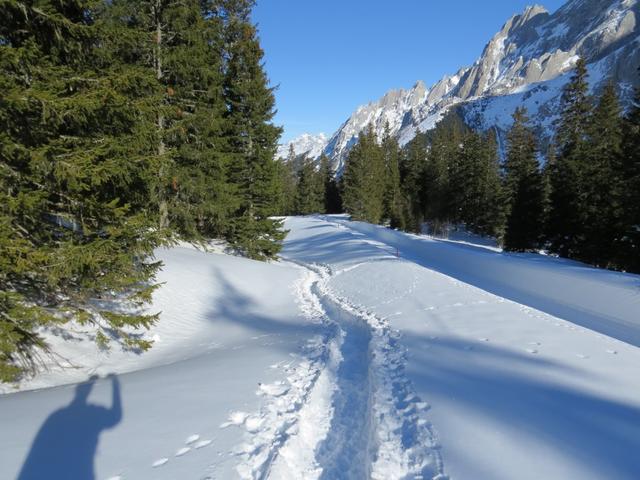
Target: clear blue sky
{"x":329,"y":56}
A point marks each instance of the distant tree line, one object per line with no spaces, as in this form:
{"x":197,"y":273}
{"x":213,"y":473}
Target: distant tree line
{"x":124,"y":125}
{"x":307,"y":186}
{"x":584,"y":203}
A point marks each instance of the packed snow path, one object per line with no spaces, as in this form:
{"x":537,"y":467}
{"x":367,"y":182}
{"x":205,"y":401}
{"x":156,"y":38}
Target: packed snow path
{"x":516,"y":392}
{"x":366,"y":353}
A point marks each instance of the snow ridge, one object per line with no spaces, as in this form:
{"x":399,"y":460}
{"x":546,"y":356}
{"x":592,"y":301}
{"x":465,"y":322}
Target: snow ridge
{"x":346,"y":410}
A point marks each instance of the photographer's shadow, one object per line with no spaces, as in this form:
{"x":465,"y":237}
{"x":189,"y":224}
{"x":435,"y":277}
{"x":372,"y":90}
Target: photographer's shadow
{"x":65,"y":445}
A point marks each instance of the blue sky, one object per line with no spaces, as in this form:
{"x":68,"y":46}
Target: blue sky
{"x":329,"y":56}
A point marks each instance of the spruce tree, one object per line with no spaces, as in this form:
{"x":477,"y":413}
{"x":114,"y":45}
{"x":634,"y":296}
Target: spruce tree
{"x":393,"y":204}
{"x":475,"y":193}
{"x":310,"y":189}
{"x":74,"y":162}
{"x":628,"y":255}
{"x":364,"y":179}
{"x":445,"y":143}
{"x":288,"y":178}
{"x":332,"y":201}
{"x":603,"y":201}
{"x":412,"y":170}
{"x":566,"y":223}
{"x":524,"y":189}
{"x":250,"y":138}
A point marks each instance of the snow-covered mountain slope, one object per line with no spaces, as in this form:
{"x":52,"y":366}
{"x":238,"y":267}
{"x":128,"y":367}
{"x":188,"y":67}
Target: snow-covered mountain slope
{"x":527,"y":61}
{"x":367,"y":353}
{"x":306,"y":144}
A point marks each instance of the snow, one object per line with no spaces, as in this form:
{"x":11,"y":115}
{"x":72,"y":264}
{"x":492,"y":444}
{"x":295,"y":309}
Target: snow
{"x":307,"y":144}
{"x":509,"y":385}
{"x":224,"y":322}
{"x":364,"y":353}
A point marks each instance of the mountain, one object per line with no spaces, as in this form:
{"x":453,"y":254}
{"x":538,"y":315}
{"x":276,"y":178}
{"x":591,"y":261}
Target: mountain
{"x":306,"y":144}
{"x":526,"y":63}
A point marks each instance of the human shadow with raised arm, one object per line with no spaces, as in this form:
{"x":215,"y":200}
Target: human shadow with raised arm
{"x":65,"y":445}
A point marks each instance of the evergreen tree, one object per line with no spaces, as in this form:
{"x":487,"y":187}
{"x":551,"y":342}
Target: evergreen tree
{"x":288,"y":179}
{"x":629,"y":251}
{"x":412,"y":170}
{"x":475,"y":192}
{"x":74,"y":163}
{"x":250,"y":138}
{"x":524,"y":187}
{"x":566,"y":223}
{"x":604,"y":187}
{"x":310,"y":189}
{"x":446,"y":141}
{"x":364,"y":179}
{"x":332,"y":201}
{"x":393,"y":205}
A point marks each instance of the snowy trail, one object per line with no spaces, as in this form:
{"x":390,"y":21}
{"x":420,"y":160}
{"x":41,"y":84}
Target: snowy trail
{"x":360,"y":418}
{"x":508,"y":384}
{"x":346,"y":450}
{"x":330,"y":377}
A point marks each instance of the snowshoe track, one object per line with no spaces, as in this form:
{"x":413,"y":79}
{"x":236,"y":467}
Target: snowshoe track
{"x":347,"y":409}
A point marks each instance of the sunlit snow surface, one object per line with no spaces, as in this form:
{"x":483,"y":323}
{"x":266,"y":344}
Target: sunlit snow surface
{"x":365,"y":353}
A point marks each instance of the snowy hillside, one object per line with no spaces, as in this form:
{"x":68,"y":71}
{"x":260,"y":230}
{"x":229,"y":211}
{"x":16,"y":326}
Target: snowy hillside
{"x":365,"y":353}
{"x":526,"y":61}
{"x":306,"y":144}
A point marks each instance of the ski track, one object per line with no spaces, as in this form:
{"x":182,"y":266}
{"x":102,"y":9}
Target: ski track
{"x":346,"y":409}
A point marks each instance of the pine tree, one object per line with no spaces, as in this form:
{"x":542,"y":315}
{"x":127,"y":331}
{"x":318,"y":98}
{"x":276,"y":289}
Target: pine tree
{"x":604,"y":186}
{"x":566,"y":223}
{"x":412,"y":168}
{"x":393,"y":205}
{"x":524,"y":187}
{"x":250,"y":138}
{"x":288,"y":178}
{"x":445,"y":143}
{"x":364,"y":179}
{"x":332,"y":200}
{"x":200,"y":199}
{"x":74,"y":164}
{"x":490,"y":214}
{"x":310,"y":189}
{"x":628,"y":256}
{"x":475,"y":193}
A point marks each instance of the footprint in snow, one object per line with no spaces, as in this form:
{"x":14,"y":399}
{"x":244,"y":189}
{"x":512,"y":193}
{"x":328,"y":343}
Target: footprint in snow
{"x":202,"y":444}
{"x":235,"y":418}
{"x":160,"y":462}
{"x":275,"y":389}
{"x":483,"y":339}
{"x":192,"y":438}
{"x":183,"y":451}
{"x":253,"y":424}
{"x":535,"y":344}
{"x":532,"y":351}
{"x":612,"y":352}
{"x":580,"y":355}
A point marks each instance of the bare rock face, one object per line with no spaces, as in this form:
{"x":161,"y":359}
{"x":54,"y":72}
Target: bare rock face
{"x":527,"y":62}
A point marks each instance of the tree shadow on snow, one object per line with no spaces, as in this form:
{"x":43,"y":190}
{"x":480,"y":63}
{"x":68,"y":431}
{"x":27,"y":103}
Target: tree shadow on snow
{"x":518,"y":391}
{"x":65,"y":445}
{"x":547,"y":284}
{"x":235,"y":306}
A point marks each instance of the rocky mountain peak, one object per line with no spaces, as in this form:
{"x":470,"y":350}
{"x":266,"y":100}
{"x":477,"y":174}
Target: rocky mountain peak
{"x":526,"y":63}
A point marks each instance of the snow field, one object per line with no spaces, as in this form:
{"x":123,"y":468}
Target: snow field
{"x":347,"y":361}
{"x":508,"y":384}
